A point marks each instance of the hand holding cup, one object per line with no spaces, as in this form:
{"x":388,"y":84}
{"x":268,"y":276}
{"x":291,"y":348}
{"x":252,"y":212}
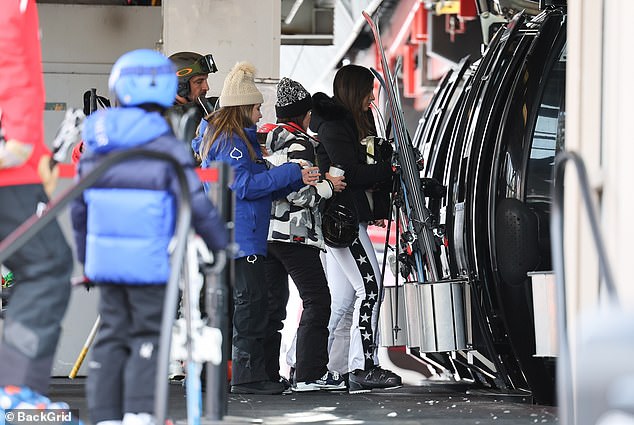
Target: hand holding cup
{"x":338,"y":183}
{"x":310,"y":175}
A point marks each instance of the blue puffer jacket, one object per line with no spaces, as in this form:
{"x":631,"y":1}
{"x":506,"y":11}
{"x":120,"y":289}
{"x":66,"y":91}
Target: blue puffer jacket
{"x":255,"y":186}
{"x":125,"y":221}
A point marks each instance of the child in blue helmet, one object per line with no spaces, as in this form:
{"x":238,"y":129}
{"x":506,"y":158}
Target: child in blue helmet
{"x":123,"y":225}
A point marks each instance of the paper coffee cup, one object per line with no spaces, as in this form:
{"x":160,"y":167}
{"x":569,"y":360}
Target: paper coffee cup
{"x":336,"y":171}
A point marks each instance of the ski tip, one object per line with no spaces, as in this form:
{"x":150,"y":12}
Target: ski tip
{"x":374,"y":26}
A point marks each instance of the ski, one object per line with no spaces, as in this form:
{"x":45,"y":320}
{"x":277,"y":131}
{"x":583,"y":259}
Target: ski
{"x":67,"y":136}
{"x":192,"y":285}
{"x":418,"y":216}
{"x":194,"y":341}
{"x":403,"y":216}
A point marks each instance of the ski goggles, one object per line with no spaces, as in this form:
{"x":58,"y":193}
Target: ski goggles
{"x":204,"y":65}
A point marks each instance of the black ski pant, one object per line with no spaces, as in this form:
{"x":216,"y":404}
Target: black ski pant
{"x":304,"y":266}
{"x":122,"y":369}
{"x":39,"y":297}
{"x":250,"y":303}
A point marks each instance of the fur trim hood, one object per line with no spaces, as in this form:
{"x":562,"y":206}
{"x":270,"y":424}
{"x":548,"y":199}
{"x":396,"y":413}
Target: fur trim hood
{"x":326,"y":108}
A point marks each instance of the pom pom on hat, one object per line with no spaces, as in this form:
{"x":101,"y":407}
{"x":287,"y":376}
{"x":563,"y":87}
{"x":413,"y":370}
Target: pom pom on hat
{"x":239,"y":87}
{"x":293,"y":100}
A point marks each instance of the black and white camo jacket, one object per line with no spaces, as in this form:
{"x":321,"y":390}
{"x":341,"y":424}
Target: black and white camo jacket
{"x":296,"y":218}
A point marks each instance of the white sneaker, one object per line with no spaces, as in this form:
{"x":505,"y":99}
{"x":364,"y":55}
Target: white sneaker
{"x":331,"y":381}
{"x":176,"y":371}
{"x":138,"y":419}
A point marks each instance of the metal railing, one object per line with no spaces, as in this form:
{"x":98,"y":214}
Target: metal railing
{"x":564,"y":366}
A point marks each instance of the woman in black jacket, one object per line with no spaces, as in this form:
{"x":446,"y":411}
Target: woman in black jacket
{"x":341,"y":123}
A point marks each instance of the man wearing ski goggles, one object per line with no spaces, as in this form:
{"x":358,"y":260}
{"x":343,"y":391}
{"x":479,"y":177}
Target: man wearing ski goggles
{"x":192,"y":70}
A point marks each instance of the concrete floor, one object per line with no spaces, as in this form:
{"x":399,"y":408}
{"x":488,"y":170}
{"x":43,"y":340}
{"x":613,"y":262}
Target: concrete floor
{"x":436,"y":403}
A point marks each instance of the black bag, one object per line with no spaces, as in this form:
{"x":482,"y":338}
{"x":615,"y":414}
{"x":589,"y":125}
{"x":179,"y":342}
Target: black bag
{"x":339,"y":226}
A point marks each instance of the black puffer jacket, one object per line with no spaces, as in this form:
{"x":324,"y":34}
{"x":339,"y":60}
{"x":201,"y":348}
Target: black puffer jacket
{"x":340,"y":144}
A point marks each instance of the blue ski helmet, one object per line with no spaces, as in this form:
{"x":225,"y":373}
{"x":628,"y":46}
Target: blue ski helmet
{"x":143,"y":76}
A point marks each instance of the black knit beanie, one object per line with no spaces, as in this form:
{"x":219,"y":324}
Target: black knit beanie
{"x":293,"y":100}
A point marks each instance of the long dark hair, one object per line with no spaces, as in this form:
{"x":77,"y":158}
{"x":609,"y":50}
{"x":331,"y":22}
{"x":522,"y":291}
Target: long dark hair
{"x":351,"y":85}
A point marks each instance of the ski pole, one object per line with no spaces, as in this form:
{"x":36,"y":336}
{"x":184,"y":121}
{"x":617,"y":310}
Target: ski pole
{"x":84,"y":350}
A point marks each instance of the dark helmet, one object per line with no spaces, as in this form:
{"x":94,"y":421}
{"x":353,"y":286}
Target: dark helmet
{"x":339,"y":226}
{"x":190,"y":64}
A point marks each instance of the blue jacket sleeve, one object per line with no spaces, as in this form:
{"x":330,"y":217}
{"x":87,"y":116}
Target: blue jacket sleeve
{"x":287,"y":190}
{"x":78,"y":214}
{"x":250,"y":185}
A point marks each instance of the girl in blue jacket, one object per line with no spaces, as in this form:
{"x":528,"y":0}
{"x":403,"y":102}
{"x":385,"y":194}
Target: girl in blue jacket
{"x":231,"y":137}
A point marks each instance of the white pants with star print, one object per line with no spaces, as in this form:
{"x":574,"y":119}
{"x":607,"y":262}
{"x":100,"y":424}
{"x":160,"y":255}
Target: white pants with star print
{"x":353,"y":278}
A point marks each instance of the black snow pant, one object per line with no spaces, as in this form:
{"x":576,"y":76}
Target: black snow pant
{"x":304,"y":266}
{"x":39,"y":297}
{"x":250,"y":303}
{"x":122,"y":370}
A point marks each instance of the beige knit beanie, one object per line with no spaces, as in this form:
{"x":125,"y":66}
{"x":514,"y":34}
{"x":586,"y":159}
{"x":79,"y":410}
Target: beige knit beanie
{"x":239,"y":87}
